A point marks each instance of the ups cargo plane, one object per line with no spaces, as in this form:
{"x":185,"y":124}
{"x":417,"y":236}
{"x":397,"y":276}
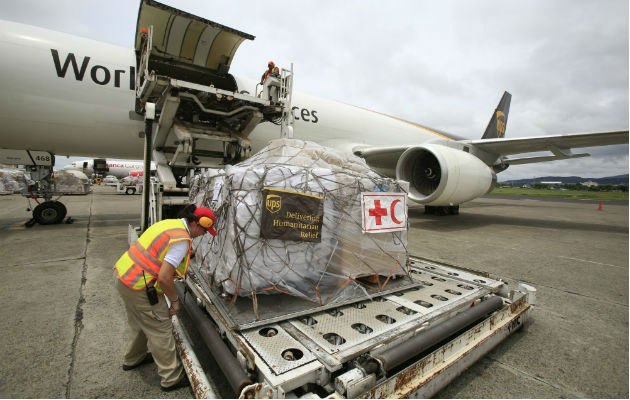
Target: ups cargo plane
{"x":68,"y":95}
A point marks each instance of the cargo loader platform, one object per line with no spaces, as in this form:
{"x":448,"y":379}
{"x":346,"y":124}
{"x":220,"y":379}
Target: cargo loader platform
{"x":408,"y":341}
{"x":196,"y":115}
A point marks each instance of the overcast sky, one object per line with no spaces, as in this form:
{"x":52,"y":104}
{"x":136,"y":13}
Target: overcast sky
{"x":441,"y":64}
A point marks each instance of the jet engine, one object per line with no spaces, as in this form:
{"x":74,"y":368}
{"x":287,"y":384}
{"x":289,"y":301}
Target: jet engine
{"x":443,"y":176}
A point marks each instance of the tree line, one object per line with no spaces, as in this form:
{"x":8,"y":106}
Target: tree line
{"x":575,"y":186}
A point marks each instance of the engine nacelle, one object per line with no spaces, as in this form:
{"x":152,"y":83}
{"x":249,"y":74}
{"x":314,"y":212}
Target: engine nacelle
{"x":443,"y":176}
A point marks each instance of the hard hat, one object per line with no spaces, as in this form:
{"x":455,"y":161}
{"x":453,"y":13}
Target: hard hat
{"x":271,"y":64}
{"x":205,"y":218}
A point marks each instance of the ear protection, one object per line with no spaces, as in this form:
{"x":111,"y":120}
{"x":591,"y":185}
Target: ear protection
{"x":205,"y":222}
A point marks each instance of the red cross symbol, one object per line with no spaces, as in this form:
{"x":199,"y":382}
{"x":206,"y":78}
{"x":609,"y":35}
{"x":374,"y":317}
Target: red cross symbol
{"x":378,"y":212}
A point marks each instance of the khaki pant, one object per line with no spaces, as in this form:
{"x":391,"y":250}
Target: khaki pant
{"x":150,"y":325}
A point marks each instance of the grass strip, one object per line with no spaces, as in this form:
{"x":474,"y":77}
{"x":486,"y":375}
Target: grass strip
{"x":564,"y":194}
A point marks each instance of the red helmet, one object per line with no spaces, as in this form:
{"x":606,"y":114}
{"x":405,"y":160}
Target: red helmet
{"x":271,"y":64}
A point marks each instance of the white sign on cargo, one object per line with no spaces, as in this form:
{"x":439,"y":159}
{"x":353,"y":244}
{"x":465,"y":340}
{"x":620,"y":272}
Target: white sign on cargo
{"x":383,"y":212}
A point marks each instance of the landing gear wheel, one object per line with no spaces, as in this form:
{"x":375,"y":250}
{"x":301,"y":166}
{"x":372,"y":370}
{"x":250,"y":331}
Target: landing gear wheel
{"x":130,"y":190}
{"x":49,"y":212}
{"x":441,"y":210}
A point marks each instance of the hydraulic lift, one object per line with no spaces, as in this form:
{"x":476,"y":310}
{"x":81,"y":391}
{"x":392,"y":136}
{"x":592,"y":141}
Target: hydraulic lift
{"x":195,"y":115}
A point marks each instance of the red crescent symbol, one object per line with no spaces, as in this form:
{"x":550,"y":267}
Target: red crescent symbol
{"x":393,"y":215}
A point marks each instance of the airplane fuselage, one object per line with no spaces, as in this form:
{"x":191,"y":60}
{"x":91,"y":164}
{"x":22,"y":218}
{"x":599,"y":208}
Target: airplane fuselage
{"x":117,"y":168}
{"x":75,"y":96}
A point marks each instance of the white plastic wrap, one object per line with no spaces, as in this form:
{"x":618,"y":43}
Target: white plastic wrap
{"x":12,"y":181}
{"x":240,"y":262}
{"x":71,"y":182}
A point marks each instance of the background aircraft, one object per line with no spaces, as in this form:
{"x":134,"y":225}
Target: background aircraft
{"x":117,"y":168}
{"x":84,"y":86}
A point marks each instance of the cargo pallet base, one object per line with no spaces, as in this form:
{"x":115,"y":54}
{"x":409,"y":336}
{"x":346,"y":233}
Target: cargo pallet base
{"x":409,"y":341}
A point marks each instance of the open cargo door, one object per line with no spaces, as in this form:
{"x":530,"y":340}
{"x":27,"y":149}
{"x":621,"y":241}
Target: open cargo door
{"x":188,"y":47}
{"x":200,"y":118}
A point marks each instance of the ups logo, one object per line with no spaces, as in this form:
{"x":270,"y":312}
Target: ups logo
{"x":500,"y":124}
{"x":273,"y":203}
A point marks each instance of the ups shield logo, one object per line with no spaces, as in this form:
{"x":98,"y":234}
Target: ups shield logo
{"x":273,"y":203}
{"x":500,"y":124}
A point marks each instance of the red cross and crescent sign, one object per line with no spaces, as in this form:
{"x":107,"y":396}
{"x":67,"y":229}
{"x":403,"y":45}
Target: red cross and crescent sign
{"x":384,"y":212}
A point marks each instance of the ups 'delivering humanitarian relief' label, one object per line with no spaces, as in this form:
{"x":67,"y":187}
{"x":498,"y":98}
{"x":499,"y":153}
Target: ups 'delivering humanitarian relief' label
{"x":290,"y":215}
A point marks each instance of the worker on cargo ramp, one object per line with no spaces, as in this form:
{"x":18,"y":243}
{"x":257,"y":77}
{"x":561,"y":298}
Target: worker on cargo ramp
{"x":271,"y":70}
{"x":144,"y":277}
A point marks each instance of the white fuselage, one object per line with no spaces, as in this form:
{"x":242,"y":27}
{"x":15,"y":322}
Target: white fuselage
{"x":117,"y":168}
{"x":73,"y":96}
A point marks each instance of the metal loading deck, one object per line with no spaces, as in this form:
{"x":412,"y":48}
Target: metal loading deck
{"x":346,"y":350}
{"x":427,"y":291}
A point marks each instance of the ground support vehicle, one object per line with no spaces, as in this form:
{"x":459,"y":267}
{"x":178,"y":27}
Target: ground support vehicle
{"x":128,"y":188}
{"x":195,"y":115}
{"x":110,"y":180}
{"x":411,"y":341}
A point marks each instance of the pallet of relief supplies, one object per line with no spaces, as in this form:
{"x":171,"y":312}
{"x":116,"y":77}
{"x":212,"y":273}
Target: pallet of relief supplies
{"x":289,"y":222}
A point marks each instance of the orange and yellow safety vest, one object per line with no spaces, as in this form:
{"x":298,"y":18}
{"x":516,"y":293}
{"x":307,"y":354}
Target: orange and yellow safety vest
{"x":144,"y":258}
{"x":267,"y":72}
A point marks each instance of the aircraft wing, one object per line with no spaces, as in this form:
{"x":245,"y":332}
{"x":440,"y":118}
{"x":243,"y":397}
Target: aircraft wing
{"x":559,"y":145}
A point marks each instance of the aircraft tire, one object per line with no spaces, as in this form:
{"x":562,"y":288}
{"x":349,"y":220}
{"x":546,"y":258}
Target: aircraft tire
{"x":441,"y":211}
{"x":49,"y":213}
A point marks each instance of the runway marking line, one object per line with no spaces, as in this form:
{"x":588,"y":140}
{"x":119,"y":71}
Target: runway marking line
{"x":592,"y":262}
{"x":18,"y":226}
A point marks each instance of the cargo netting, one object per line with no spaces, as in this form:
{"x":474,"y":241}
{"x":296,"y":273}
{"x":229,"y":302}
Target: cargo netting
{"x":344,"y":264}
{"x":71,"y":182}
{"x":12,"y":181}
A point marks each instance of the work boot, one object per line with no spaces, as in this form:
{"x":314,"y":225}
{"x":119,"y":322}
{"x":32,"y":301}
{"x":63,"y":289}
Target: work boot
{"x":146,"y":360}
{"x":184,"y":382}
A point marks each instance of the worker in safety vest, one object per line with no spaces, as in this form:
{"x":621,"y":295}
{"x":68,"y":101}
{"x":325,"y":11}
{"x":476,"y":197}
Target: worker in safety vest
{"x":144,"y":277}
{"x":271,"y":69}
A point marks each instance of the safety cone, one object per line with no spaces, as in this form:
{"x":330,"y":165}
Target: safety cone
{"x":600,"y":207}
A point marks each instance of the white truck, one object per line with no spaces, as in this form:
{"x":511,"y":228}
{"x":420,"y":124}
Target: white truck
{"x":409,"y":340}
{"x":131,"y":185}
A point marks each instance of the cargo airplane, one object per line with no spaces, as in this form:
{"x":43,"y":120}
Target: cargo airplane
{"x":117,"y":168}
{"x":68,"y":95}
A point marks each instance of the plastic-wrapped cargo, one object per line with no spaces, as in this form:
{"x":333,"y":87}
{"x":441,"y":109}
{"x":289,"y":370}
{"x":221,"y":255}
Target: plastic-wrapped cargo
{"x":132,"y":180}
{"x":12,"y":181}
{"x":3,"y":189}
{"x":341,"y":263}
{"x":71,"y":182}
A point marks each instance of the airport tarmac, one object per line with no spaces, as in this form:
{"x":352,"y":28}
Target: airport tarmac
{"x":65,"y":325}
